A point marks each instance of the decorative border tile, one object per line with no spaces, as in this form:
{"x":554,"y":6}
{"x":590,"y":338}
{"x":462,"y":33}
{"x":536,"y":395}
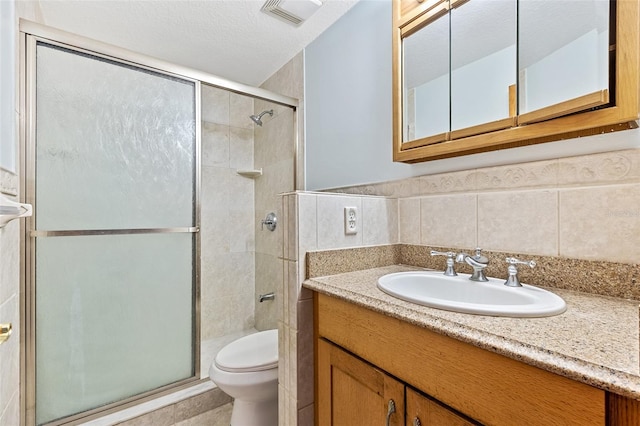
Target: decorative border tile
{"x":595,"y":169}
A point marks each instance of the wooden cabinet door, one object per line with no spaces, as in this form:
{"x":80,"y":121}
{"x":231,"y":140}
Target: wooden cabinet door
{"x":352,"y":392}
{"x":428,"y":412}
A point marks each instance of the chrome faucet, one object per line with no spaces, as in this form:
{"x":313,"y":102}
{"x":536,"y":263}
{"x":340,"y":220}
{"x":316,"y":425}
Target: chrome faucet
{"x":450,"y":272}
{"x":478,"y":262}
{"x":512,"y":279}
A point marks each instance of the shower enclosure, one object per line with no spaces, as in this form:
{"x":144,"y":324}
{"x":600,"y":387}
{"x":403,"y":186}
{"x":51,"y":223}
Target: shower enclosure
{"x":113,"y":176}
{"x":132,"y":263}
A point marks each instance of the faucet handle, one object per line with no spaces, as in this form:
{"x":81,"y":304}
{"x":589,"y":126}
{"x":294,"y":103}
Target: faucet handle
{"x":512,"y":279}
{"x":479,"y":257}
{"x":450,"y":272}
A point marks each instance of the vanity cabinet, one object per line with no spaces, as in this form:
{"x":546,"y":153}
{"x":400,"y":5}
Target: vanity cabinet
{"x":424,"y":411}
{"x":364,"y":359}
{"x":472,"y":76}
{"x":354,"y":392}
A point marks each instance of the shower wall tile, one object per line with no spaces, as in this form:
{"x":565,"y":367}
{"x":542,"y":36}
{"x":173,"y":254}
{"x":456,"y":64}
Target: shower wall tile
{"x":276,"y":156}
{"x":295,"y":293}
{"x":214,"y":202}
{"x":240,"y":213}
{"x":215,"y":145}
{"x":10,"y":351}
{"x":305,"y":353}
{"x":379,"y":221}
{"x":307,"y":225}
{"x":227,"y":228}
{"x":232,"y":271}
{"x":306,"y":416}
{"x":241,"y":148}
{"x":409,"y":220}
{"x":293,"y":363}
{"x":283,"y":406}
{"x":600,"y":223}
{"x":240,"y":108}
{"x":275,"y":139}
{"x":240,"y":231}
{"x":283,"y":291}
{"x":525,"y":222}
{"x":276,"y":179}
{"x":290,"y":230}
{"x":215,"y":105}
{"x":449,"y":221}
{"x":9,"y":260}
{"x":227,"y":294}
{"x":331,"y":222}
{"x":9,"y":308}
{"x":284,"y":356}
{"x":11,"y":413}
{"x":267,"y":281}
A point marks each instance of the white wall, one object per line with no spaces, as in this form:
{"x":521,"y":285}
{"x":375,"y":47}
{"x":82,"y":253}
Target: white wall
{"x":348,"y":102}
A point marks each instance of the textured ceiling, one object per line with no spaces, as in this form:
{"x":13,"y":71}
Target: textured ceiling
{"x":232,"y":39}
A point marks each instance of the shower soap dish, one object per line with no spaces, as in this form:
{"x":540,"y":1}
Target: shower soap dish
{"x":250,"y":173}
{"x":10,"y":210}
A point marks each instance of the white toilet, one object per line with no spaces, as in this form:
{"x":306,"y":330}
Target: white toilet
{"x":247,"y":370}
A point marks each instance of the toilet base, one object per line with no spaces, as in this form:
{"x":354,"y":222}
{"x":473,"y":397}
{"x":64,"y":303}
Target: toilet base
{"x":251,"y":413}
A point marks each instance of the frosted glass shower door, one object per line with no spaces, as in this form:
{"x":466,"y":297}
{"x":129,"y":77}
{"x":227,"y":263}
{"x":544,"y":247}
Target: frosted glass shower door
{"x":113,"y":239}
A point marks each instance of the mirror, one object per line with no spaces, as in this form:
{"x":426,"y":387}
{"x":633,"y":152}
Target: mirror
{"x":426,"y":82}
{"x":483,"y":63}
{"x":460,"y":72}
{"x":561,"y":58}
{"x":473,"y":76}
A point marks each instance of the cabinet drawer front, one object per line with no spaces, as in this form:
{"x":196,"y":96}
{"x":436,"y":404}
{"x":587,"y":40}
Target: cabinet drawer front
{"x":488,"y":387}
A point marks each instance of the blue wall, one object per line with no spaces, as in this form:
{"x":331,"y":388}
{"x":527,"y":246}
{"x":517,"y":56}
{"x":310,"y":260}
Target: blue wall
{"x":348,"y":104}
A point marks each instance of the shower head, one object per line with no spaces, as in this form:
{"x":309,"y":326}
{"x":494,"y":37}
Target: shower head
{"x":258,"y":118}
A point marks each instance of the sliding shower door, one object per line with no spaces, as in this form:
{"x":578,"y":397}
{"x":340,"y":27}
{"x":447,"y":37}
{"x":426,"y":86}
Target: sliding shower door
{"x":112,"y":258}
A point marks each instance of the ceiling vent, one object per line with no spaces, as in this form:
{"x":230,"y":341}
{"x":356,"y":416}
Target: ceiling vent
{"x":295,"y":12}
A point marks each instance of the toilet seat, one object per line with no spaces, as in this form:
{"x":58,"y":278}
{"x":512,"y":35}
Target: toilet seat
{"x":255,"y":352}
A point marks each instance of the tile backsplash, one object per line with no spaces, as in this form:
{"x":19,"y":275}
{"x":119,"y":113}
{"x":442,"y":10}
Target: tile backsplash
{"x":585,"y":207}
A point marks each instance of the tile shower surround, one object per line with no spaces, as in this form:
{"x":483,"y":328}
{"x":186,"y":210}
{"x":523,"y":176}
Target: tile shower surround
{"x":10,"y":308}
{"x":578,"y":217}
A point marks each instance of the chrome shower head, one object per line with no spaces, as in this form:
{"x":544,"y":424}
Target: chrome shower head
{"x":258,"y":118}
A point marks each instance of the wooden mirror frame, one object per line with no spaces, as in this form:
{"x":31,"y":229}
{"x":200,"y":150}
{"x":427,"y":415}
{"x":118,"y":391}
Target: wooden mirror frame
{"x":411,"y":15}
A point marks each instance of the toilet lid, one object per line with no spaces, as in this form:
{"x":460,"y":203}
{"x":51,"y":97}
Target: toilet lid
{"x":255,"y":352}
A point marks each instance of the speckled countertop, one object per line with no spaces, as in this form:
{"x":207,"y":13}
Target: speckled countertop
{"x":596,"y":341}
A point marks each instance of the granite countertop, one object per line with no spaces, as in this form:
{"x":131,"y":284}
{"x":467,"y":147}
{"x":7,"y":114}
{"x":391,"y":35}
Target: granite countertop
{"x":596,"y":341}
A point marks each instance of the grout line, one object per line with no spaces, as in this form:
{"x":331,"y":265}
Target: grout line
{"x":559,"y":224}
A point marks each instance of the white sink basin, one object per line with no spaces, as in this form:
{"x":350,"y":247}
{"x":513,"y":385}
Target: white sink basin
{"x":459,"y":294}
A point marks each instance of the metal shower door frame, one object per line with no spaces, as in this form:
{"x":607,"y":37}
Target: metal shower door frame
{"x":28,"y":311}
